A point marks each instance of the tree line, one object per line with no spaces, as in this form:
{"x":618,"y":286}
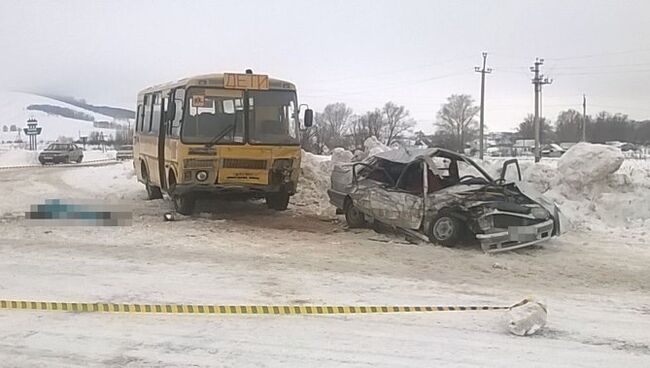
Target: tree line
{"x":456,"y":125}
{"x":338,"y":126}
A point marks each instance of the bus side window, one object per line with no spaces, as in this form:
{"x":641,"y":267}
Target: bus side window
{"x":156,"y":111}
{"x":179,"y":98}
{"x":138,"y":117}
{"x":146,"y":115}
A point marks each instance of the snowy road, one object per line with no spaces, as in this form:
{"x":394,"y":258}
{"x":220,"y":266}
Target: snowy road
{"x":596,"y":285}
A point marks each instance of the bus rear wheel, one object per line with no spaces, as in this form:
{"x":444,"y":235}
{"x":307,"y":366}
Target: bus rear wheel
{"x":277,"y":201}
{"x":153,"y":192}
{"x":184,"y":204}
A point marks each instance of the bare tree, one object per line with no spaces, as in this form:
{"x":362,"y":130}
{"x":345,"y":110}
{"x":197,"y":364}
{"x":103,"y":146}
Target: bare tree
{"x":568,"y":126}
{"x":333,"y":125}
{"x":367,"y":125}
{"x":456,"y":119}
{"x":526,"y":129}
{"x":396,"y":122}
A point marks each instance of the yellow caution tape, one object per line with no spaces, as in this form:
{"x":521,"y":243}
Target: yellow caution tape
{"x":236,"y":309}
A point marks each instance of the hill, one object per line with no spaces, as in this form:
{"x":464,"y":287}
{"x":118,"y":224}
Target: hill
{"x":57,"y":118}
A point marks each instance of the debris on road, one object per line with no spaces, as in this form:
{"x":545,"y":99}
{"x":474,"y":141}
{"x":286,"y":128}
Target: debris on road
{"x":527,"y":319}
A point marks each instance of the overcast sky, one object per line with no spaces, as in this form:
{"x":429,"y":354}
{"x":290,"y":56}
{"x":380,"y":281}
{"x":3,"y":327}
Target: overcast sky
{"x":363,"y":53}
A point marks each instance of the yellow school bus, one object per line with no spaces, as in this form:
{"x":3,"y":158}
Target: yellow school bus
{"x":230,"y":134}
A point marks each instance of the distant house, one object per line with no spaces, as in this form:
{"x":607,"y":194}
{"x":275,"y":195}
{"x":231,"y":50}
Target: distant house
{"x":524,"y":147}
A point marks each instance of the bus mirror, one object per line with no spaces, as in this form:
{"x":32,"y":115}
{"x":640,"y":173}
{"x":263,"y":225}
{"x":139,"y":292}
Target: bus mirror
{"x":309,"y":118}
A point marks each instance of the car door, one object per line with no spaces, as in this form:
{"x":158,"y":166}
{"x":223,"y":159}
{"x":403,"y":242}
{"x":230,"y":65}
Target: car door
{"x":76,"y":153}
{"x":401,"y":204}
{"x":367,"y":180}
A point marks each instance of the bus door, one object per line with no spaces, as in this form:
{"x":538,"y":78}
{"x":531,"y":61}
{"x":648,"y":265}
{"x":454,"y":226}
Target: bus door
{"x":161,"y":141}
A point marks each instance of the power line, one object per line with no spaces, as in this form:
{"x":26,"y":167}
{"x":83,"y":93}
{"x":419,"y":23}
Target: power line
{"x":633,"y":51}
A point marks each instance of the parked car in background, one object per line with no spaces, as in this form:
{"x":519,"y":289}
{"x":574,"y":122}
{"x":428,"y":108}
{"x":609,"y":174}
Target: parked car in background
{"x":553,"y":150}
{"x":57,"y":153}
{"x":443,"y":197}
{"x":124,"y":152}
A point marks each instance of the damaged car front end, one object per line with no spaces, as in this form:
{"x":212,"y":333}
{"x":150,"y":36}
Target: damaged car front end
{"x":443,"y":197}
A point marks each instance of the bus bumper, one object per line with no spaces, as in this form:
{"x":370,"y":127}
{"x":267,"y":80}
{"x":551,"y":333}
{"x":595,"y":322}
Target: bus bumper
{"x":247,"y":190}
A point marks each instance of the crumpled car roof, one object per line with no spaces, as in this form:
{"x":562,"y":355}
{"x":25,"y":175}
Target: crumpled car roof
{"x":405,"y":155}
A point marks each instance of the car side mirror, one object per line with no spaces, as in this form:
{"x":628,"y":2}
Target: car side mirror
{"x":309,"y":118}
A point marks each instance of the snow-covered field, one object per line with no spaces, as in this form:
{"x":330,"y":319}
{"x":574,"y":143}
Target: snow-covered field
{"x":595,"y":281}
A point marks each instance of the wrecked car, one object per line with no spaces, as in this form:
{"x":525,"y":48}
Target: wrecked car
{"x":443,"y":197}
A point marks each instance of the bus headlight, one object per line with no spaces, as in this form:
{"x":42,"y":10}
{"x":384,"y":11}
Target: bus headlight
{"x":282,"y":164}
{"x":201,"y":175}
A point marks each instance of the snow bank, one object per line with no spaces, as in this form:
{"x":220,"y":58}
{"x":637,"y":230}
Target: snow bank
{"x":315,"y":171}
{"x":18,"y":157}
{"x":595,"y":187}
{"x":526,"y":319}
{"x":112,"y":182}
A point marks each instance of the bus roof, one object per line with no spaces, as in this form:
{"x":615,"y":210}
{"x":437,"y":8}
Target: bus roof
{"x":211,"y":80}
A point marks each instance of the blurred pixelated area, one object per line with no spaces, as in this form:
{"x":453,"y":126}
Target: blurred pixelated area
{"x":60,"y":212}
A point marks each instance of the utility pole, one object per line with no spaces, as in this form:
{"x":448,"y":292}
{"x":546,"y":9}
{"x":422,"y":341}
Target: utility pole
{"x":584,"y":118}
{"x":483,"y":71}
{"x":538,"y":81}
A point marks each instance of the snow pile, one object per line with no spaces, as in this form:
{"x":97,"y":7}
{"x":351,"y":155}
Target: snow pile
{"x":18,"y":157}
{"x":526,"y":319}
{"x":341,"y":155}
{"x":585,"y":164}
{"x":315,"y":171}
{"x":315,"y":176}
{"x":594,"y":186}
{"x":373,"y":146}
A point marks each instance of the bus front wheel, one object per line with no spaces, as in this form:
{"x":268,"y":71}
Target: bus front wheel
{"x":277,"y":201}
{"x":184,"y":204}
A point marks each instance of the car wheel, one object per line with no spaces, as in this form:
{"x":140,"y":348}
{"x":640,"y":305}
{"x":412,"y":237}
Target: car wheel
{"x":278,"y":201}
{"x":353,"y":216}
{"x":445,"y":230}
{"x":79,"y":159}
{"x":184,"y":204}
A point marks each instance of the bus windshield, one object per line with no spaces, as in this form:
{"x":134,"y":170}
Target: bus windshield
{"x":216,"y":116}
{"x":272,"y":117}
{"x":213,"y":113}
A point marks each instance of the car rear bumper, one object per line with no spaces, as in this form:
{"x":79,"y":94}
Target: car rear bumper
{"x":51,"y":160}
{"x":516,"y":237}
